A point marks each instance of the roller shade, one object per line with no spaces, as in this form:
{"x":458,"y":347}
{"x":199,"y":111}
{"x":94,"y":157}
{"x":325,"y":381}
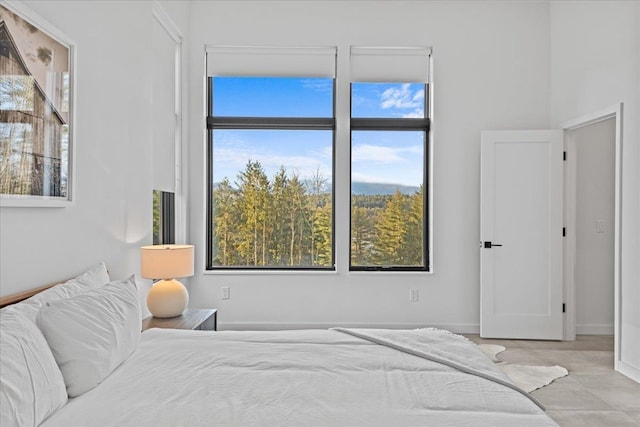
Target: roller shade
{"x":390,"y":64}
{"x":271,"y":61}
{"x":163,"y":109}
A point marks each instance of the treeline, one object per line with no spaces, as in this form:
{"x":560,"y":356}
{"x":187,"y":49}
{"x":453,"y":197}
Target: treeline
{"x":288,"y":222}
{"x":283,"y":222}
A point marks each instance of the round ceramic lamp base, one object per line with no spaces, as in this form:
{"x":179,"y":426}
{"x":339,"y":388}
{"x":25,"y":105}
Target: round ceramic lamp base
{"x":167,"y":298}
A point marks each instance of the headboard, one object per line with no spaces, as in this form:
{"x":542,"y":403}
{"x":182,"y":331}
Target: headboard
{"x":20,"y":296}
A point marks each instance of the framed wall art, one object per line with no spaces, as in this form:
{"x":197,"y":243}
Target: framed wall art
{"x":36,"y":110}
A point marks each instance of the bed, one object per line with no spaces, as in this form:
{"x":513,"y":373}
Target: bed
{"x":163,"y":377}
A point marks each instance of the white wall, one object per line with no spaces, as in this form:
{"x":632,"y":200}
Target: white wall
{"x":595,"y":63}
{"x":595,"y":161}
{"x":111,"y":217}
{"x":491,"y":72}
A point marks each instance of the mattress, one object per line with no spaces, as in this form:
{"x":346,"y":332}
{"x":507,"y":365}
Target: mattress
{"x":303,"y":378}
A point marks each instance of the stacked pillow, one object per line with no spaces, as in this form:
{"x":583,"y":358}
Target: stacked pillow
{"x":31,"y":385}
{"x":63,"y":342}
{"x":92,"y":334}
{"x":90,"y":279}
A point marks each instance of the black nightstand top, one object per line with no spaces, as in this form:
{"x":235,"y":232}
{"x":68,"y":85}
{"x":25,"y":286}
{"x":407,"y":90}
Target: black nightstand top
{"x":192,"y":318}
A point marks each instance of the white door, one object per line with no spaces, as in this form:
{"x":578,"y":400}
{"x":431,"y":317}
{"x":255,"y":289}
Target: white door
{"x":521,"y":234}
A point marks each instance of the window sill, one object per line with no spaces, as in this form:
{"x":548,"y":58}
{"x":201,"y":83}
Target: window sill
{"x":269,"y":272}
{"x":390,"y":273}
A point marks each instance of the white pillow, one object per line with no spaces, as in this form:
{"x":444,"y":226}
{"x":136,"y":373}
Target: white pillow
{"x":93,"y":333}
{"x":31,"y":385}
{"x":94,"y":277}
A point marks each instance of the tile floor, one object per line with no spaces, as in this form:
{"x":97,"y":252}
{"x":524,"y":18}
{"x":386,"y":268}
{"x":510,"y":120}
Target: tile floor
{"x":593,"y":394}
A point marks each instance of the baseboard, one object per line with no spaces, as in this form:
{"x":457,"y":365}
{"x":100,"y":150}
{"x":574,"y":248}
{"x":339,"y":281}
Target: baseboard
{"x":594,"y":329}
{"x":278,"y":326}
{"x":628,"y":370}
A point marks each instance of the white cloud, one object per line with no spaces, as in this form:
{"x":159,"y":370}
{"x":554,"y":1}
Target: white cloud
{"x":361,"y":177}
{"x":383,"y":154}
{"x":325,"y":153}
{"x":418,"y":113}
{"x":230,"y":160}
{"x":319,"y":85}
{"x":402,"y":98}
{"x":375,"y":153}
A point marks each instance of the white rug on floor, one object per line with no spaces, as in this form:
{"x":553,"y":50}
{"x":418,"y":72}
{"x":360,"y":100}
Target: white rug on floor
{"x":526,"y":377}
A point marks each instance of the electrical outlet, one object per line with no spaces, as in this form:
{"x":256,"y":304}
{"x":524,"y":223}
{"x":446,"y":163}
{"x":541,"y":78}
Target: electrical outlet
{"x":226,"y":292}
{"x":413,"y":295}
{"x":599,"y":226}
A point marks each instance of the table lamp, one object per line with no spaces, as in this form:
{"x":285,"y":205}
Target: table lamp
{"x":167,"y":297}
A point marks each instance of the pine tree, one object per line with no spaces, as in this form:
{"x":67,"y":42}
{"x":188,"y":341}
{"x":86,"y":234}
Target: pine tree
{"x":361,"y":234}
{"x":279,"y":218}
{"x":322,"y":229}
{"x":413,"y":249}
{"x":253,"y":199}
{"x":298,"y":219}
{"x":391,"y":229}
{"x":225,"y":224}
{"x":315,"y":201}
{"x":157,"y":202}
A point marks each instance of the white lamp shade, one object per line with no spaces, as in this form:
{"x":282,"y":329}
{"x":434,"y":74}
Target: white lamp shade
{"x":166,"y":261}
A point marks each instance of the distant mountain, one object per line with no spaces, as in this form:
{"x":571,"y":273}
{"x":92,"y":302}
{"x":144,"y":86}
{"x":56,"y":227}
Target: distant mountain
{"x":373,"y":188}
{"x":369,"y":188}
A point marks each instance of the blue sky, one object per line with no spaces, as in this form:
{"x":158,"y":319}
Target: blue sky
{"x":380,"y":157}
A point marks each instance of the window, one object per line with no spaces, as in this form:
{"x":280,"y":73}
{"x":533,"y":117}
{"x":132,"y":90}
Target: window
{"x":270,"y":158}
{"x":164,"y":228}
{"x":389,"y":160}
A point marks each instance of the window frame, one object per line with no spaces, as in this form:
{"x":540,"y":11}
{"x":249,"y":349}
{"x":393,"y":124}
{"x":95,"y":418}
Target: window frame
{"x":396,"y":124}
{"x":264,"y":123}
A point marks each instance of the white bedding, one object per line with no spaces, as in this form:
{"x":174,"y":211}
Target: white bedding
{"x":296,"y":378}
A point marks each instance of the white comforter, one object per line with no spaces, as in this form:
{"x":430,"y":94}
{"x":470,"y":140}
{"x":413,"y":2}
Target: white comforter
{"x":302,"y":378}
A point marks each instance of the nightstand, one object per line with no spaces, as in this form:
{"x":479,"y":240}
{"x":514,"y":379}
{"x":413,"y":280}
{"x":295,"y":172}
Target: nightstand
{"x":194,"y":319}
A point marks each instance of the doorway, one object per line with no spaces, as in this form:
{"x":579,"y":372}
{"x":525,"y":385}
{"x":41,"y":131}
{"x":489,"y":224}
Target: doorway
{"x":592,"y":218}
{"x":592,"y":148}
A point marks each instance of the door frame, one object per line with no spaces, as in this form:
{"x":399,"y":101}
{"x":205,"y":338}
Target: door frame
{"x":613,"y":111}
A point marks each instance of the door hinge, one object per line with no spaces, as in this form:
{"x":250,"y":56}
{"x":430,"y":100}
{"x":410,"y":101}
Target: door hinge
{"x":564,"y":231}
{"x":564,"y":308}
{"x":564,"y":156}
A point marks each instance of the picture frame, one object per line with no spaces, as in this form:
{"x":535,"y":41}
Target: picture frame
{"x":37,"y":110}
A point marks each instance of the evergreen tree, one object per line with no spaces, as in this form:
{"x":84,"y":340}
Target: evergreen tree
{"x":298,"y":219}
{"x":279,"y":219}
{"x":253,"y":201}
{"x":391,"y":230}
{"x":322,"y":229}
{"x":225,"y":224}
{"x":362,"y":225}
{"x":157,"y":198}
{"x":413,"y":248}
{"x":288,"y":222}
{"x":315,"y":201}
